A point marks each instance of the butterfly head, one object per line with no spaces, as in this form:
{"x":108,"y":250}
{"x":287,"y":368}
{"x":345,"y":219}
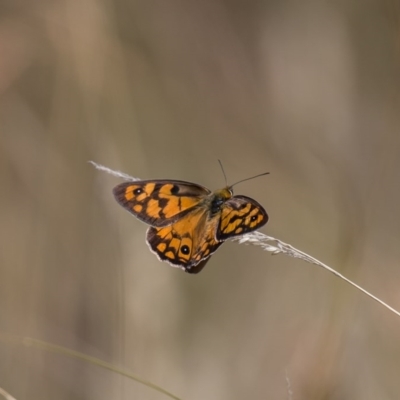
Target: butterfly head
{"x":224,"y":194}
{"x":219,"y":197}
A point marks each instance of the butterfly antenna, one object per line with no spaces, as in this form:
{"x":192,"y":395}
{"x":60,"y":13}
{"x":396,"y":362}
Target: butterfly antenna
{"x":247,"y":179}
{"x":223,"y":171}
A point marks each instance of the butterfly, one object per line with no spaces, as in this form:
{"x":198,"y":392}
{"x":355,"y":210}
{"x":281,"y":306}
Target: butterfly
{"x":188,"y":222}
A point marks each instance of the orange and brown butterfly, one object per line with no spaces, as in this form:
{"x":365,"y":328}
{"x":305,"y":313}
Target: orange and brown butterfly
{"x":188,"y":222}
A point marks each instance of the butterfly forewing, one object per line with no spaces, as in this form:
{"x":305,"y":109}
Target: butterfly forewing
{"x":240,"y":215}
{"x":159,"y":202}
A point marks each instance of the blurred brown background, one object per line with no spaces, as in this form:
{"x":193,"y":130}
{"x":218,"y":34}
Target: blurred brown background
{"x":162,"y":89}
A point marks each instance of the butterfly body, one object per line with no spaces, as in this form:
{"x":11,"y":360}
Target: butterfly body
{"x":187,"y":221}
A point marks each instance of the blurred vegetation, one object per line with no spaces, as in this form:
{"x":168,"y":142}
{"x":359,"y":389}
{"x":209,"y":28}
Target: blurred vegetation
{"x":308,"y":91}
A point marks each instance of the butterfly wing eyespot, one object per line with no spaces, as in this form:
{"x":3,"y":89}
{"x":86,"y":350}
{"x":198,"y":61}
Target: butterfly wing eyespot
{"x":240,"y":215}
{"x":159,"y":202}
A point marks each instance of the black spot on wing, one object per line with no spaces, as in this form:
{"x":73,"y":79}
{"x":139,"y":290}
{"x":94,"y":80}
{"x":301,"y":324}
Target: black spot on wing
{"x":175,"y":189}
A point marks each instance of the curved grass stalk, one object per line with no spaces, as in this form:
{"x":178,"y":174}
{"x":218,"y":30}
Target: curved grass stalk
{"x":40,"y":344}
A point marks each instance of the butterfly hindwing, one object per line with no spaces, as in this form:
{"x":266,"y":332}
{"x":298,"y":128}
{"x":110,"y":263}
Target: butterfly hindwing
{"x":240,"y":215}
{"x":159,"y":202}
{"x":187,"y":242}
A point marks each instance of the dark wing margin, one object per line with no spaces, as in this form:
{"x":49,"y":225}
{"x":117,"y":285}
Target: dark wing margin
{"x":240,"y":215}
{"x":159,"y":202}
